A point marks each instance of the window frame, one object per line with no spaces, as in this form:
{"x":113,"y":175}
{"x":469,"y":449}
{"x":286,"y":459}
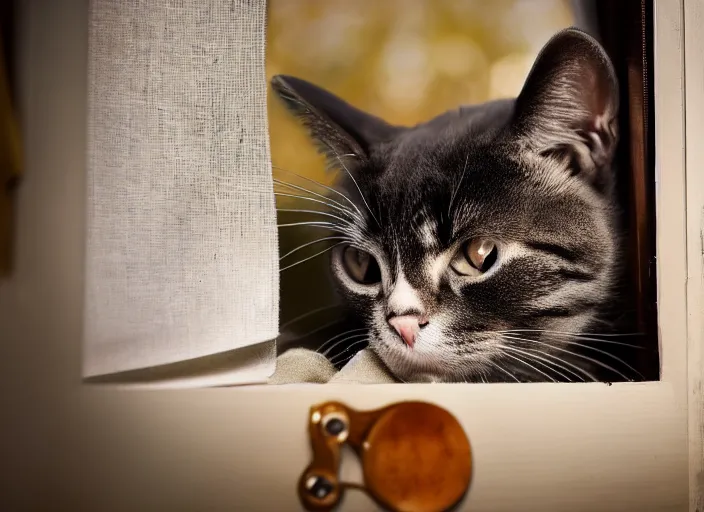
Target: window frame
{"x":630,"y":439}
{"x":693,"y":44}
{"x":543,"y":447}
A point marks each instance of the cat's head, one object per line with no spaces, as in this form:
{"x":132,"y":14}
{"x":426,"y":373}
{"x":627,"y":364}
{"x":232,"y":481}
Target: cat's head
{"x":489,"y":218}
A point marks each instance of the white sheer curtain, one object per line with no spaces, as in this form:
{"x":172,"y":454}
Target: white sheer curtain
{"x":182,"y":256}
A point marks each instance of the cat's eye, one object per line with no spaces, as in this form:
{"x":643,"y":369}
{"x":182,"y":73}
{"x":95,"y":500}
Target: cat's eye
{"x":360,"y":265}
{"x":475,"y":257}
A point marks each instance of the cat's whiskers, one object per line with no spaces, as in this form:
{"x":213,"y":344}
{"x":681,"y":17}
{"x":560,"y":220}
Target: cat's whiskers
{"x":308,"y":244}
{"x":547,"y":362}
{"x":317,"y":329}
{"x":499,"y":367}
{"x":516,"y":358}
{"x":343,"y":340}
{"x":308,"y":314}
{"x":575,"y":334}
{"x":560,"y":339}
{"x":338,"y":336}
{"x":330,"y":226}
{"x":355,"y":184}
{"x":595,"y":349}
{"x":457,"y":188}
{"x":590,"y":338}
{"x":317,"y":212}
{"x":576,"y":354}
{"x":542,"y":353}
{"x":315,"y":223}
{"x":563,"y":361}
{"x":331,"y":189}
{"x":330,"y":202}
{"x":306,"y":198}
{"x":329,"y":199}
{"x":346,"y":358}
{"x":550,"y":365}
{"x":311,"y":257}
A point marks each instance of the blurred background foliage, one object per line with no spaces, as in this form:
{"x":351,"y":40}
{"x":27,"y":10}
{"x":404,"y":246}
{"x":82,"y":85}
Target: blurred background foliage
{"x":403,"y":60}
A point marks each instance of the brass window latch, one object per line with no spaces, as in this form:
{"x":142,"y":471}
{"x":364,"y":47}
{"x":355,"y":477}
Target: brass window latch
{"x":415,"y":457}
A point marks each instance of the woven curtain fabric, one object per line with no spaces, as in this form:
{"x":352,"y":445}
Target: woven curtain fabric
{"x":182,"y":256}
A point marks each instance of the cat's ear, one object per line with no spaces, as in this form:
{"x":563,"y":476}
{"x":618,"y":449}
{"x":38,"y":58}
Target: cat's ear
{"x":569,"y":104}
{"x":340,"y":130}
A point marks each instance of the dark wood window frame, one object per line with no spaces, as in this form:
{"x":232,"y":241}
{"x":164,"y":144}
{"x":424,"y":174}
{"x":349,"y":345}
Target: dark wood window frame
{"x":625,"y":29}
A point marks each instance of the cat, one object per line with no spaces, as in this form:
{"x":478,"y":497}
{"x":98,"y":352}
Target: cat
{"x":484,"y":244}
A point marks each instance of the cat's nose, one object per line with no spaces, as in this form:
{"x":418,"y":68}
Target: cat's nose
{"x":407,"y":327}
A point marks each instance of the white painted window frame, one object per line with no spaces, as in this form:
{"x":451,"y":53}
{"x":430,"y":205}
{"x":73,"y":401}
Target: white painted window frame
{"x":693,"y":45}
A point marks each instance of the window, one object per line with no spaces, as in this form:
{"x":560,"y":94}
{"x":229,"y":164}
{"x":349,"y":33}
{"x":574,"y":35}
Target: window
{"x":407,"y":63}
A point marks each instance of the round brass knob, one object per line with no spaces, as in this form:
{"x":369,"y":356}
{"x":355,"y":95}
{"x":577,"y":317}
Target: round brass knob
{"x":416,"y":458}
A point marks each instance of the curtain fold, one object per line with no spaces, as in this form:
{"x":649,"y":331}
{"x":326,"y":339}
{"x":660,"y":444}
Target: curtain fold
{"x":182,"y":254}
